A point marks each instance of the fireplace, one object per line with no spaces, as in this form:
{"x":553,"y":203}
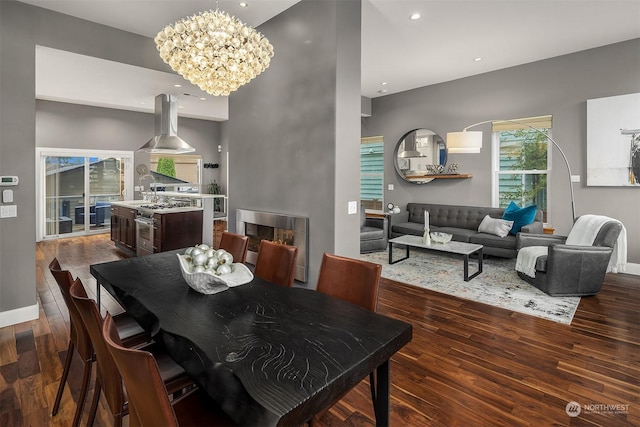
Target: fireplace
{"x":276,"y":227}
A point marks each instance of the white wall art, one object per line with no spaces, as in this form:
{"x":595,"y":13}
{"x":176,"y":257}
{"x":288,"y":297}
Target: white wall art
{"x":613,"y":141}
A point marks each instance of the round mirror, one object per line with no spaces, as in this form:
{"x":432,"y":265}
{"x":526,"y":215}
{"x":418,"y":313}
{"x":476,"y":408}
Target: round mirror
{"x":419,"y":155}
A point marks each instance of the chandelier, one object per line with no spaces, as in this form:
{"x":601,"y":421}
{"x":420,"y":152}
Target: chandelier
{"x":215,"y":51}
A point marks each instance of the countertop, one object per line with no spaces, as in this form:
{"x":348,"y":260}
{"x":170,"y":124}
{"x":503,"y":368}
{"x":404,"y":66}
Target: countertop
{"x":135,"y":204}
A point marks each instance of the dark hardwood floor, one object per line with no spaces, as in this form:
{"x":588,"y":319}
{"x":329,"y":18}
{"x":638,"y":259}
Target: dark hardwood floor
{"x":469,"y":364}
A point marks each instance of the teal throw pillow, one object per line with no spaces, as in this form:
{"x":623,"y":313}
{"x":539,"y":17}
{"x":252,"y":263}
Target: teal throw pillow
{"x":519,"y":216}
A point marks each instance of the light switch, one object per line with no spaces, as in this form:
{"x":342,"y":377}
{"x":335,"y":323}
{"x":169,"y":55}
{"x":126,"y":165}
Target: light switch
{"x":10,"y":211}
{"x":575,"y":178}
{"x":7,"y":196}
{"x":353,"y":208}
{"x":390,"y":187}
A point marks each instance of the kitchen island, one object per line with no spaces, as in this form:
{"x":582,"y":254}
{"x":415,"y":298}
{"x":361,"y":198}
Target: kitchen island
{"x":142,"y":228}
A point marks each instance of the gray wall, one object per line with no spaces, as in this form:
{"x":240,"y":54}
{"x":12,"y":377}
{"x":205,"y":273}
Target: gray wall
{"x":22,"y":27}
{"x":559,"y":86}
{"x":294,"y":133}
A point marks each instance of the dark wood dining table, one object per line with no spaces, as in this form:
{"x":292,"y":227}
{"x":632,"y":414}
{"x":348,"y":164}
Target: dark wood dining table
{"x":268,"y":355}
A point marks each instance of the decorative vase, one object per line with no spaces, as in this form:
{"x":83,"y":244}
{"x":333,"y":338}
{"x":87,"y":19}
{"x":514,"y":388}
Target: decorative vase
{"x":426,"y":237}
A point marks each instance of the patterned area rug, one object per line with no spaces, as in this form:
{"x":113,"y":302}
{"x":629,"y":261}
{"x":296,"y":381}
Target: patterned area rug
{"x":498,"y":285}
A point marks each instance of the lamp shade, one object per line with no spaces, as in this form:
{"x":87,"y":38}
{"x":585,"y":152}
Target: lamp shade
{"x":464,"y":142}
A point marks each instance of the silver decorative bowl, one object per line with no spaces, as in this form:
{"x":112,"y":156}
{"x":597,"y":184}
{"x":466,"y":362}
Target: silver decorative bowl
{"x":207,"y":282}
{"x":204,"y":281}
{"x":439,"y":237}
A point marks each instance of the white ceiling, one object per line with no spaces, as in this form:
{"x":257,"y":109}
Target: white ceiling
{"x":438,"y":47}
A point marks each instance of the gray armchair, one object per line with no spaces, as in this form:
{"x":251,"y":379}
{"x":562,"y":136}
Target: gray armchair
{"x":373,"y":233}
{"x":569,"y":270}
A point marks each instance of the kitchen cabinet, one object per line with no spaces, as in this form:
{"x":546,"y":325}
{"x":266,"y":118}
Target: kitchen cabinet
{"x":123,"y":227}
{"x":176,"y":230}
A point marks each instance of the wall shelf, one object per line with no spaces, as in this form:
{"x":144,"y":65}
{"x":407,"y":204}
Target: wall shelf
{"x":443,"y":176}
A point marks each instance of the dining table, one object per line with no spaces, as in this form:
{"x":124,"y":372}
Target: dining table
{"x":267,"y":355}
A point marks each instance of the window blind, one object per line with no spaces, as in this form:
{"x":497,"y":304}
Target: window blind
{"x":539,"y":122}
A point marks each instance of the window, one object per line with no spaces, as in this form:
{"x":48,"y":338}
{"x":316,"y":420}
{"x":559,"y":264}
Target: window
{"x":372,"y":172}
{"x":521,"y":162}
{"x":75,"y":189}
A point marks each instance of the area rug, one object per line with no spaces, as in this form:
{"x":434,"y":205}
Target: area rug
{"x":498,"y":285}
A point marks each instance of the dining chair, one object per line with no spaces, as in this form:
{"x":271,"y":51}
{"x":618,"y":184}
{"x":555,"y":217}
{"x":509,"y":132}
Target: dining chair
{"x":78,"y":340}
{"x":235,"y":244}
{"x":354,"y":281}
{"x":349,"y":279}
{"x":130,"y":333}
{"x":108,"y":378}
{"x":276,"y":263}
{"x":149,"y":403}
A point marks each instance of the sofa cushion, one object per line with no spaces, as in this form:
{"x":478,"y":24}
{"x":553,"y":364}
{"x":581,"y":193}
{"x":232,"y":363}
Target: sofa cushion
{"x":459,"y":234}
{"x":409,"y":228}
{"x":496,"y":226}
{"x":491,"y":240}
{"x":451,"y":215}
{"x":519,"y":216}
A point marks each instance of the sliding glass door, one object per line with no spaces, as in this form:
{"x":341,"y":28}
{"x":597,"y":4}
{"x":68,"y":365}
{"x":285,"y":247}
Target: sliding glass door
{"x":76,"y":189}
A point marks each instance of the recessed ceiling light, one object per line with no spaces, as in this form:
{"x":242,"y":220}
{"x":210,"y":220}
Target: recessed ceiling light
{"x":143,"y":103}
{"x":177,"y":85}
{"x":244,"y":4}
{"x":415,"y":16}
{"x":382,"y":91}
{"x":202,"y":98}
{"x":478,"y":59}
{"x":180,"y":106}
{"x":384,"y":83}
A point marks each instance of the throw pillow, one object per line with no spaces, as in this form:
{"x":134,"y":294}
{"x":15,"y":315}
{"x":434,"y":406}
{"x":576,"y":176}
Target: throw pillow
{"x":499,"y":227}
{"x":519,"y":216}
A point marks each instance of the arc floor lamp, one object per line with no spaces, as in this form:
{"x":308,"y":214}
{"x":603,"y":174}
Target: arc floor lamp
{"x":467,"y":141}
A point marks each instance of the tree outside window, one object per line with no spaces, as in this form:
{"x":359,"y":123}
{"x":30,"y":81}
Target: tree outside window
{"x":523,"y":168}
{"x":166,"y":166}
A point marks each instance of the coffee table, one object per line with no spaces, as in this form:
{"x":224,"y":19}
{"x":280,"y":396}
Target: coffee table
{"x":459,"y":248}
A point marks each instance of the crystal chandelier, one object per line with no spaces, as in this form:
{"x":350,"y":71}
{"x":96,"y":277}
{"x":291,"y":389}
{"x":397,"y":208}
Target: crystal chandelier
{"x":214,"y":51}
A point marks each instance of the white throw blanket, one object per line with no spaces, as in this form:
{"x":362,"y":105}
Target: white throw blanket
{"x":583,"y":233}
{"x":586,"y":229}
{"x":527,"y":256}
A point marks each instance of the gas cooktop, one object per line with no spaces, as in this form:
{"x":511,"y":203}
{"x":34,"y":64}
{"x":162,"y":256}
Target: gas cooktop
{"x":156,"y":206}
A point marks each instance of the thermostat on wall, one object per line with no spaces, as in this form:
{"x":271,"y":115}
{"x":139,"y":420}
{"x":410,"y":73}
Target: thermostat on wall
{"x":8,"y":180}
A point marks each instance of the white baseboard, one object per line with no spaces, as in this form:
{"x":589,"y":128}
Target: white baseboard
{"x":633,"y":269}
{"x":19,"y":315}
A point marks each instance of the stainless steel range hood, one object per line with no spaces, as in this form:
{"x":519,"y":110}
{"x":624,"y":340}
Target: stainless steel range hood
{"x":166,"y":139}
{"x":410,"y":146}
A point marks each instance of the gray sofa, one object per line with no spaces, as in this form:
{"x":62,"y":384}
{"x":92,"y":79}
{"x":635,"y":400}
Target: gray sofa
{"x":462,"y":222}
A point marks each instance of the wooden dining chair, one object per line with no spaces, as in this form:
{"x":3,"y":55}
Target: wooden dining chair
{"x":149,"y":403}
{"x":235,"y":244}
{"x":276,"y":263}
{"x":130,"y":332}
{"x":108,"y":378}
{"x":78,"y":341}
{"x":354,"y":281}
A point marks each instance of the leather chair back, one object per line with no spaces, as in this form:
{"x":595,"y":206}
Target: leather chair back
{"x":608,"y":234}
{"x":352,"y":280}
{"x":276,"y":263}
{"x":107,"y":373}
{"x":235,"y":244}
{"x":148,"y":399}
{"x":78,"y":334}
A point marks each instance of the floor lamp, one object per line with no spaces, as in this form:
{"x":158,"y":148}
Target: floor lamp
{"x":471,"y":141}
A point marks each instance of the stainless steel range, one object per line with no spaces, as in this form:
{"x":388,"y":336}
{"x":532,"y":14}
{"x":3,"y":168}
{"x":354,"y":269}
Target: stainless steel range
{"x":145,"y":223}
